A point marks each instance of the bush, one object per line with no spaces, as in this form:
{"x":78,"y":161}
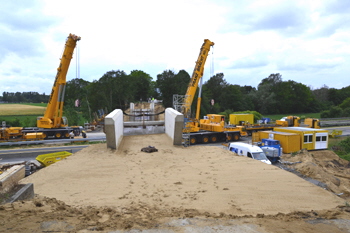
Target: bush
{"x":342,"y":149}
{"x":345,"y":145}
{"x":325,"y":114}
{"x":335,"y":111}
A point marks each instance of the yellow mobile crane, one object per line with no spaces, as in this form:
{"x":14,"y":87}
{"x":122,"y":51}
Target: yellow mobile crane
{"x":192,"y":87}
{"x":204,"y":131}
{"x":53,"y":123}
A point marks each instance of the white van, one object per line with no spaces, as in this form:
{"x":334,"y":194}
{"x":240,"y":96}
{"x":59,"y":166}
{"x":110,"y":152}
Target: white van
{"x":250,"y":151}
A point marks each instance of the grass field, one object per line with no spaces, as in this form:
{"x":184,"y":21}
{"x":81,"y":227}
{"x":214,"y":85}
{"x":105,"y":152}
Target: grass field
{"x":22,"y":109}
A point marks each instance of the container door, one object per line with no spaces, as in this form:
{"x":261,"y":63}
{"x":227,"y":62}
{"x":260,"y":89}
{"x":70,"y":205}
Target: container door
{"x":308,"y":141}
{"x":321,"y":141}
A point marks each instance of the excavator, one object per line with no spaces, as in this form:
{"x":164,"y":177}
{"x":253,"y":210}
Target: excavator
{"x":212,"y":129}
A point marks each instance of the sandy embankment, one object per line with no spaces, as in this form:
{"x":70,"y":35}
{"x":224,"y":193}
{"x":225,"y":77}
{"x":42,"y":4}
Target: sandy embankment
{"x":204,"y":178}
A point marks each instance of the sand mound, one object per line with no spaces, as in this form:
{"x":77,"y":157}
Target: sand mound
{"x":324,"y":166}
{"x":203,"y":178}
{"x":177,"y":189}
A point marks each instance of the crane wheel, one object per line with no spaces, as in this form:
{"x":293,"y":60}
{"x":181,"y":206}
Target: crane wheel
{"x":205,"y":139}
{"x":213,"y":138}
{"x":236,"y":137}
{"x":66,"y":134}
{"x":229,"y":137}
{"x":193,"y":140}
{"x":58,"y":135}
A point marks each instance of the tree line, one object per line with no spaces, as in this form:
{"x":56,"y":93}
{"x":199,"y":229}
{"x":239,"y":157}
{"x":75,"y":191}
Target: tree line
{"x":116,"y":89}
{"x":24,"y":97}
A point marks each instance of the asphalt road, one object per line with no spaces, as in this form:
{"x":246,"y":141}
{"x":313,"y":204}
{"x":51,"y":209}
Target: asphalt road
{"x":28,"y":154}
{"x":345,"y":129}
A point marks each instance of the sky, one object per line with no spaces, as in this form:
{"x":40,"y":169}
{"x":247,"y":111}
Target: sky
{"x":307,"y":41}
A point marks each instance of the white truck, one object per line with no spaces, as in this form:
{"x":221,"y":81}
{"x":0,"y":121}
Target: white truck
{"x":244,"y":149}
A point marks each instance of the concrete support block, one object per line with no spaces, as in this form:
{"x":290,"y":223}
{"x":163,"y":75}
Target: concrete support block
{"x":132,"y":107}
{"x":152,"y":111}
{"x":114,"y":127}
{"x":174,"y":122}
{"x":11,"y":177}
{"x":25,"y":193}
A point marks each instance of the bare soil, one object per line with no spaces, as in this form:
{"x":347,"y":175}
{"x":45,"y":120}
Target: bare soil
{"x":178,"y":189}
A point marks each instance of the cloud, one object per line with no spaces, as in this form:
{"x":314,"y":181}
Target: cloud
{"x":24,"y":16}
{"x":250,"y":62}
{"x":253,"y":39}
{"x":285,"y":17}
{"x":337,"y":7}
{"x":22,"y":25}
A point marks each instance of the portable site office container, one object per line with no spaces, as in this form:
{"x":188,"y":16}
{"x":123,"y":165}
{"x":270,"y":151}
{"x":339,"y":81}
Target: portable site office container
{"x":236,"y":119}
{"x":311,"y":139}
{"x":290,"y":142}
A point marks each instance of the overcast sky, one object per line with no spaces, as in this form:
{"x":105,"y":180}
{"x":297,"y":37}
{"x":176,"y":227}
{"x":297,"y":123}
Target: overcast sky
{"x":307,"y":41}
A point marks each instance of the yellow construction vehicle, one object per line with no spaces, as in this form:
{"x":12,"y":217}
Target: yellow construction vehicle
{"x":312,"y":123}
{"x":10,"y":134}
{"x":53,"y":124}
{"x":220,"y":131}
{"x":212,"y":129}
{"x":289,"y":121}
{"x":192,"y":124}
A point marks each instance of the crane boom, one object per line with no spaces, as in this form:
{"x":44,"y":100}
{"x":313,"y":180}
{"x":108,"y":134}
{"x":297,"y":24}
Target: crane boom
{"x":196,"y":76}
{"x":53,"y":114}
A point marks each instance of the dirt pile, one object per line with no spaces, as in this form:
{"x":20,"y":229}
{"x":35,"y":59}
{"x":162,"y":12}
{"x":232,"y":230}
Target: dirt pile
{"x":176,"y":189}
{"x":44,"y":214}
{"x":324,"y":166}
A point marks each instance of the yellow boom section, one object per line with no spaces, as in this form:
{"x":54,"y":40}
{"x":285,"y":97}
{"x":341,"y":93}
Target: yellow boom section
{"x":53,"y":115}
{"x":197,"y":75}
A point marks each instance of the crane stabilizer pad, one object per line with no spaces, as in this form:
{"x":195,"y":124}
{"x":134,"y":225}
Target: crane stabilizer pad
{"x":149,"y":149}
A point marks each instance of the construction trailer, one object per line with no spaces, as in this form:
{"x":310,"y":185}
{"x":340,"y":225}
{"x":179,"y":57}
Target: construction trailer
{"x":241,"y":119}
{"x":310,"y":139}
{"x":290,"y":142}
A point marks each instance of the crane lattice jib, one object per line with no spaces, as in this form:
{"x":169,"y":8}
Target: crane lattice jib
{"x":54,"y":108}
{"x":197,"y":75}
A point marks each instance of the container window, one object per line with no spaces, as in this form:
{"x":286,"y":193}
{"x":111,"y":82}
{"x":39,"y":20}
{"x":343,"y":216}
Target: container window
{"x":307,"y":138}
{"x":318,"y":138}
{"x":324,"y":138}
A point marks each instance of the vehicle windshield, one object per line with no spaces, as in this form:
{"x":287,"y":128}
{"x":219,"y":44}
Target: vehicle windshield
{"x":259,"y":156}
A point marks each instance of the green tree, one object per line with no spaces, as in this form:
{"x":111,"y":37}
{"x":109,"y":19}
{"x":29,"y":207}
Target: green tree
{"x":112,"y":91}
{"x":170,"y":83}
{"x":345,"y":104}
{"x":72,"y":114}
{"x":231,"y":97}
{"x":78,"y":89}
{"x":140,"y":85}
{"x":265,"y":98}
{"x":322,"y":100}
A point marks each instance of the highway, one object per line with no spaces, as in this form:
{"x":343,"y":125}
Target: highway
{"x":28,"y":154}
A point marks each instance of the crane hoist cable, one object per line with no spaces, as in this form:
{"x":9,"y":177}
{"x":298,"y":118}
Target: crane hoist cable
{"x":212,"y":63}
{"x":77,"y":71}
